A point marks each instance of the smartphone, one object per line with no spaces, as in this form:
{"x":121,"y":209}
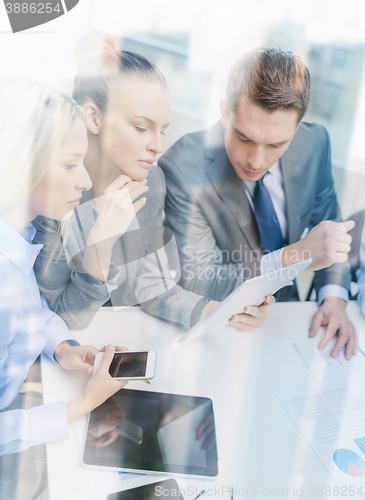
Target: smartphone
{"x":130,"y":365}
{"x":163,"y":489}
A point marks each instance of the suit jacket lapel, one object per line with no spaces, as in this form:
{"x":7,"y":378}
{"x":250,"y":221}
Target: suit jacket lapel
{"x":293,"y":182}
{"x":231,"y":189}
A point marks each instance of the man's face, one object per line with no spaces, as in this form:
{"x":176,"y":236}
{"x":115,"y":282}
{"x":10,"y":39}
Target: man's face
{"x":255,"y":139}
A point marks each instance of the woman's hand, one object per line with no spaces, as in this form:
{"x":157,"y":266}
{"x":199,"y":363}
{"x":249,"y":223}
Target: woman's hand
{"x":102,"y":385}
{"x":99,"y":388}
{"x":252,"y":318}
{"x":76,"y":357}
{"x":117,"y":208}
{"x":116,"y":212}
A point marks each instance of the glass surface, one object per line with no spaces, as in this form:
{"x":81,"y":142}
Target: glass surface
{"x":151,"y":431}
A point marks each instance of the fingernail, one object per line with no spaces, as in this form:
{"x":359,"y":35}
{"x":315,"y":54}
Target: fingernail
{"x":144,"y":181}
{"x":89,"y":370}
{"x":248,"y":310}
{"x":320,"y":346}
{"x":110,"y":347}
{"x":270,"y":300}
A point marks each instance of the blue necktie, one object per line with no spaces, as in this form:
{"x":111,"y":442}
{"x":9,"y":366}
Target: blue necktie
{"x":271,"y":237}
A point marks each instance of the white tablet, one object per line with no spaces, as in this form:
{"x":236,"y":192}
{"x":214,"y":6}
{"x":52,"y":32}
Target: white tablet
{"x":250,"y":293}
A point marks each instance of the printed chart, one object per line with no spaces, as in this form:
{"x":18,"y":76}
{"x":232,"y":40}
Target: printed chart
{"x":349,"y":462}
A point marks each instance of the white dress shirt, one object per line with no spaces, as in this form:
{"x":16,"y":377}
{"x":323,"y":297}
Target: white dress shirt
{"x":28,"y":327}
{"x":361,"y":279}
{"x":275,"y":185}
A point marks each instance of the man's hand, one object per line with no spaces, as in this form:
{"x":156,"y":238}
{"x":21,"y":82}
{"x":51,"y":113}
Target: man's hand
{"x":252,"y":317}
{"x":332,"y":314}
{"x":327,"y":243}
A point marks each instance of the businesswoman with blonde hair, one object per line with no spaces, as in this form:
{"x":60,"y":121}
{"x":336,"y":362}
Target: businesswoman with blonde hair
{"x":126,"y":103}
{"x":42,"y":145}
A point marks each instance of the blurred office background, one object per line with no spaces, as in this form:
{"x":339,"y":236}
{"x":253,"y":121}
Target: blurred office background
{"x":195,"y":42}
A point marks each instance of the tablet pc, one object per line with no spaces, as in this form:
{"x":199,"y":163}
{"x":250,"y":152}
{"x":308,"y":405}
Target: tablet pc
{"x":168,"y":490}
{"x":250,"y":293}
{"x":154,"y":433}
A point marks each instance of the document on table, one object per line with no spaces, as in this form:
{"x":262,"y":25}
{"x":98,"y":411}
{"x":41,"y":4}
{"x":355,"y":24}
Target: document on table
{"x":320,"y":362}
{"x":250,"y":293}
{"x":332,"y":420}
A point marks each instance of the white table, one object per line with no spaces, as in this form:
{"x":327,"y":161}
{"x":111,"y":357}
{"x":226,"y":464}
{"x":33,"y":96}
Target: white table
{"x":259,"y":447}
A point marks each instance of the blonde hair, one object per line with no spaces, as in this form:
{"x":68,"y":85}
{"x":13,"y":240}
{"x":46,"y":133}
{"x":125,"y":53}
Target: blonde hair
{"x":35,"y":120}
{"x":102,"y":66}
{"x":272,"y":79}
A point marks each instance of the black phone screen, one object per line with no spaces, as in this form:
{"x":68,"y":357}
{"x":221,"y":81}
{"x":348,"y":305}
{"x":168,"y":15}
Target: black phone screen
{"x":129,"y":364}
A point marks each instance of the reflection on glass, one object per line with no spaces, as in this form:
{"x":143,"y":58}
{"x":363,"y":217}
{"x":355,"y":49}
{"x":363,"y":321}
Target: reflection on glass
{"x":147,"y":431}
{"x":129,"y":364}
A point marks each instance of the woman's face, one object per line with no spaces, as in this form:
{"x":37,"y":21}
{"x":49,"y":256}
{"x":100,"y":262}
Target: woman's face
{"x":132,"y":128}
{"x":61,"y":188}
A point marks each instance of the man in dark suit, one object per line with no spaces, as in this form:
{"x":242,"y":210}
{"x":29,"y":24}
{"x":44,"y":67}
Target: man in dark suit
{"x":357,"y":257}
{"x":256,"y":192}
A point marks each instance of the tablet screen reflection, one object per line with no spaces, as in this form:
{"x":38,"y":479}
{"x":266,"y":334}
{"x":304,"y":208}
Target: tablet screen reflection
{"x":149,"y":431}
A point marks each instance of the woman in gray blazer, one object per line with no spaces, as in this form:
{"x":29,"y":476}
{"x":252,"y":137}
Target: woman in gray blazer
{"x":115,"y":247}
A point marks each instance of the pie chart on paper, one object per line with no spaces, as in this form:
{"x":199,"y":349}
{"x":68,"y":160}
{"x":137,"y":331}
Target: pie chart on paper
{"x":349,"y":462}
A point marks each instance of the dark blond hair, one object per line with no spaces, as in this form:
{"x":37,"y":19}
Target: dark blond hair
{"x":101,"y":64}
{"x":272,"y":79}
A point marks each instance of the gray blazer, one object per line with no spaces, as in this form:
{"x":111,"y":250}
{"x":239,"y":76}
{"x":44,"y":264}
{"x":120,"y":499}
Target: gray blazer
{"x":214,"y":225}
{"x":76,"y":296}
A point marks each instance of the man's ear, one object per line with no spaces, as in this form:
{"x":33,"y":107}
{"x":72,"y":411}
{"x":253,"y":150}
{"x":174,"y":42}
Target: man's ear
{"x":92,"y":118}
{"x":224,"y":111}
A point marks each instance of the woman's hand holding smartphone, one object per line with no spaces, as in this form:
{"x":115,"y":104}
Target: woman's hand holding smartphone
{"x":72,"y":357}
{"x":99,"y":388}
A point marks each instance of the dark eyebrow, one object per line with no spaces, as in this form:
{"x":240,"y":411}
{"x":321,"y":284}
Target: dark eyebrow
{"x":149,"y":120}
{"x":241,"y":134}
